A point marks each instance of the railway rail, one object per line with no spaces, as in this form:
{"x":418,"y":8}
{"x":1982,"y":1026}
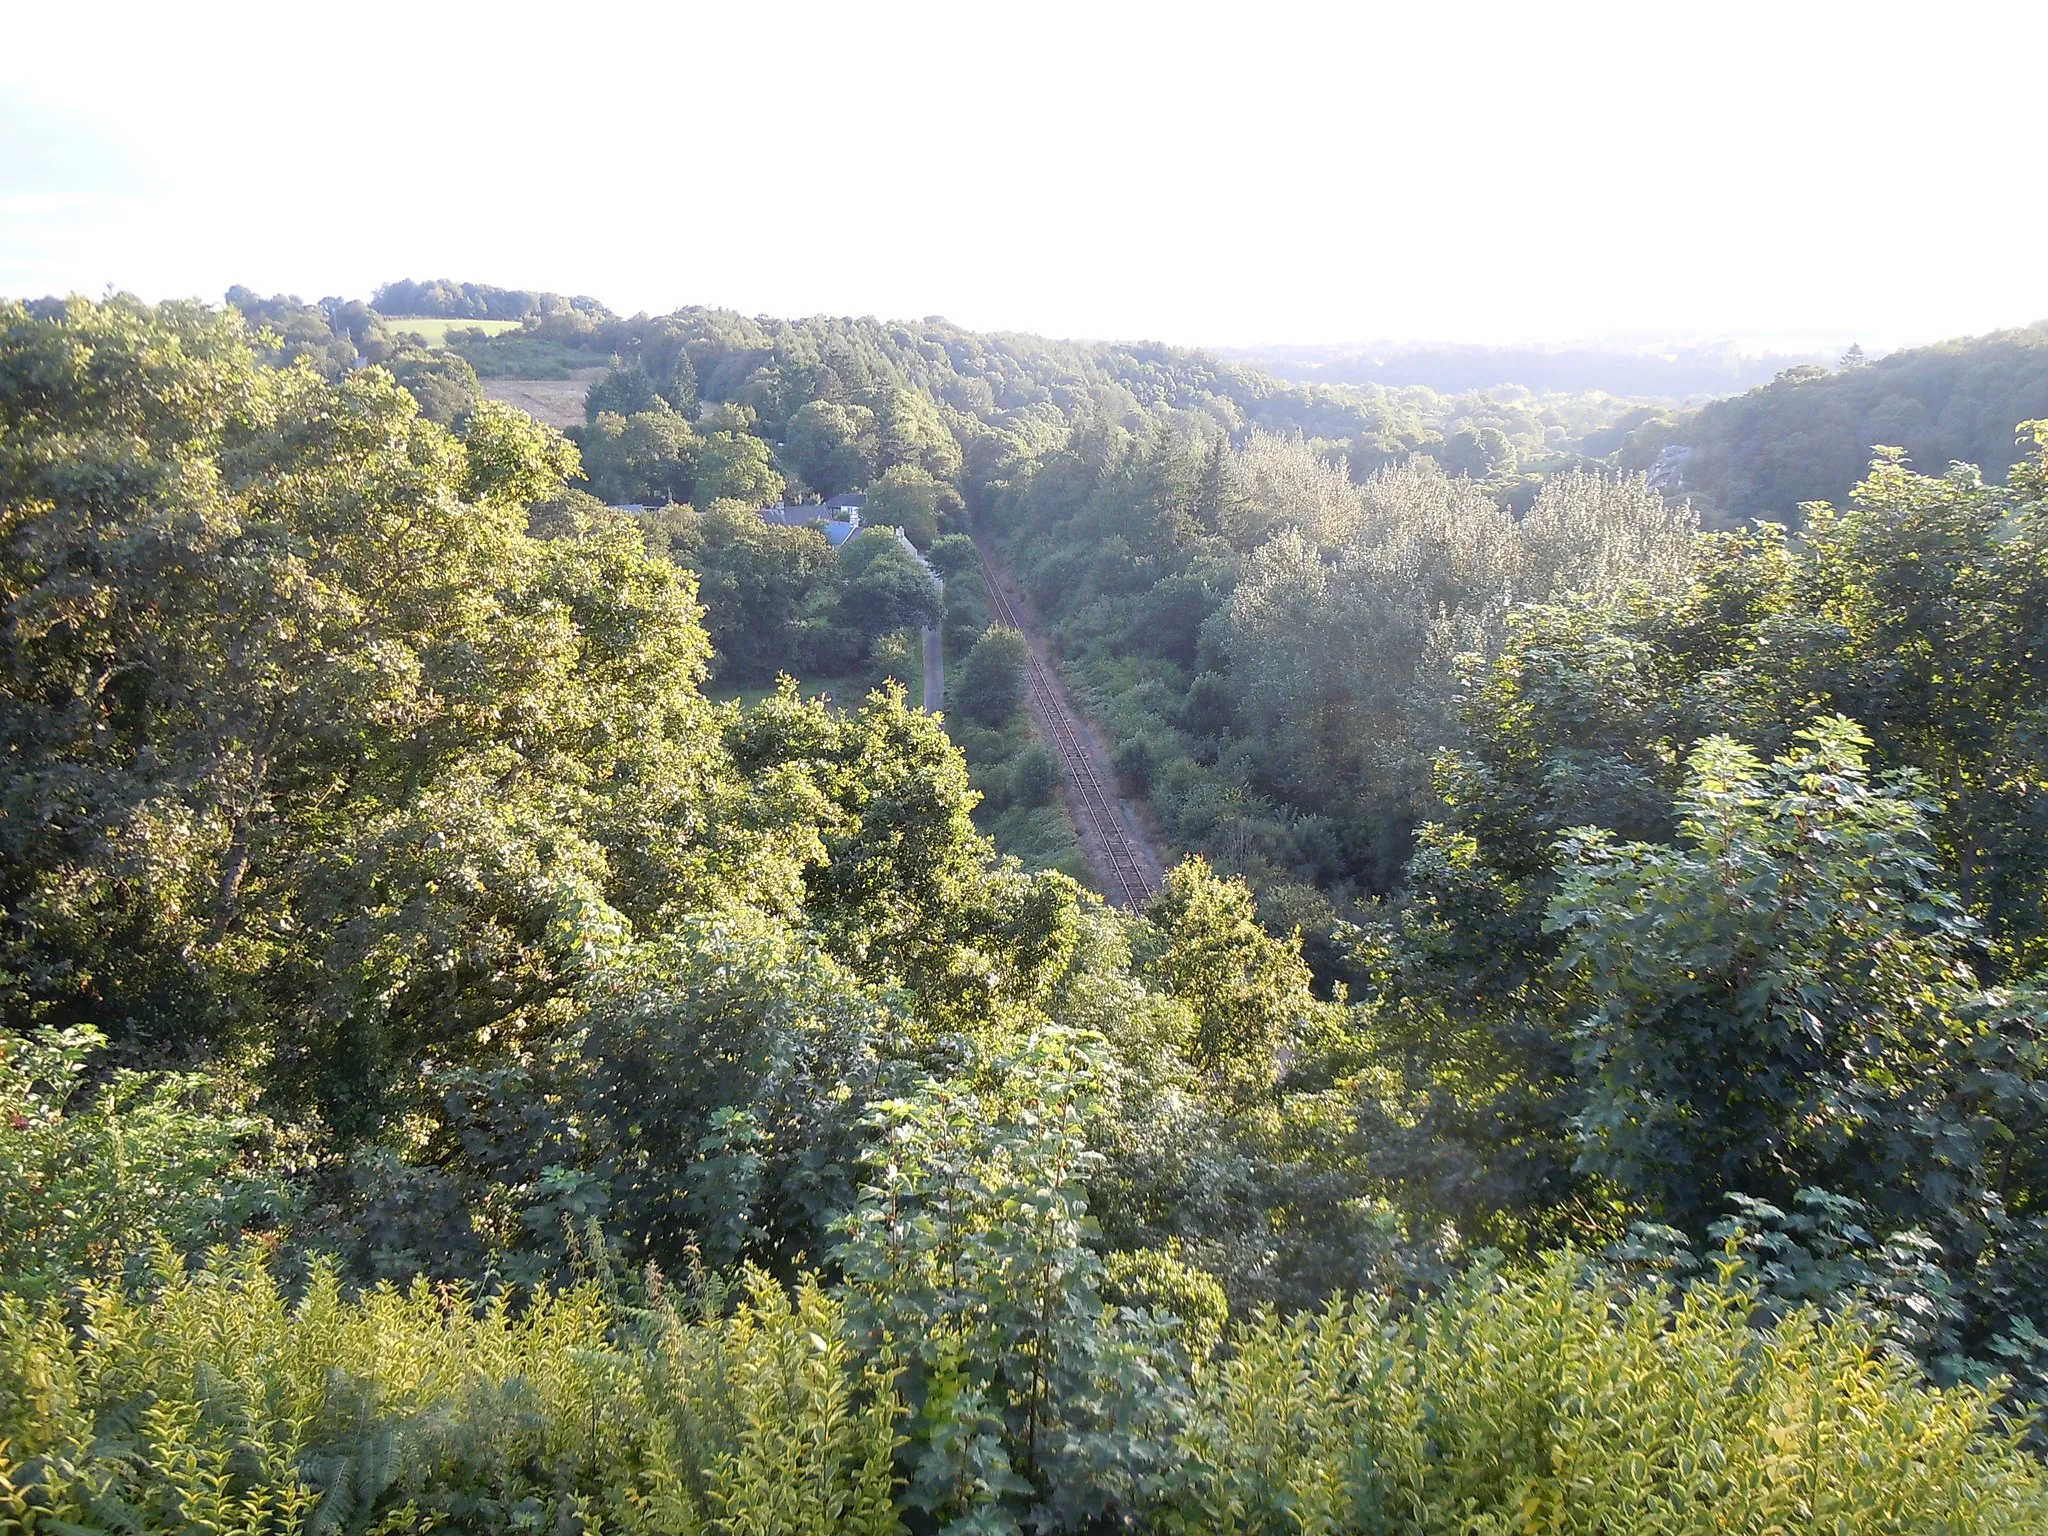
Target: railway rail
{"x":1119,"y":868}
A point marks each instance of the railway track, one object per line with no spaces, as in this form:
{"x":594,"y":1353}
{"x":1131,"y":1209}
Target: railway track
{"x":1119,"y":869}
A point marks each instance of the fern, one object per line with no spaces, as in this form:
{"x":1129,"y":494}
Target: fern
{"x":211,"y":1404}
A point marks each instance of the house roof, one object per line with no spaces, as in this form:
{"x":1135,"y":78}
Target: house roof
{"x":837,"y":522}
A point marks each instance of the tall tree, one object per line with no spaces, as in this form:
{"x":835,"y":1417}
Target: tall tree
{"x":317,"y":757}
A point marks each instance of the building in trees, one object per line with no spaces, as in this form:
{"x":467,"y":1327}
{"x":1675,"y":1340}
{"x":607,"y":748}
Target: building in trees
{"x":838,"y":519}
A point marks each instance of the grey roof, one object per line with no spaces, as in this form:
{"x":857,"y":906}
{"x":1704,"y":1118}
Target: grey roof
{"x":838,"y":523}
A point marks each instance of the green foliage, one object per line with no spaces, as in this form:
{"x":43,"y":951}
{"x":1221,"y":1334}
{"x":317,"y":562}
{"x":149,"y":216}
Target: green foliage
{"x":733,"y":466}
{"x":1160,"y":1282}
{"x":989,"y":684}
{"x":363,"y":762}
{"x":767,"y":593}
{"x":1035,"y":776}
{"x":628,"y":389}
{"x":907,"y":497}
{"x":1923,"y":601}
{"x":94,"y":1177}
{"x":884,"y":589}
{"x":646,"y":459}
{"x":1562,"y":1402}
{"x":1910,"y":612}
{"x":445,"y":387}
{"x":914,"y":444}
{"x":1807,"y":435}
{"x":1018,"y":779}
{"x":955,"y":556}
{"x":220,"y":1403}
{"x":333,"y":337}
{"x":1771,"y":1001}
{"x":967,"y":1258}
{"x":477,"y":301}
{"x":1278,"y":652}
{"x":705,"y":1107}
{"x":1250,"y":992}
{"x":216,"y":1403}
{"x":1786,"y":1004}
{"x":320,"y":760}
{"x":832,"y":446}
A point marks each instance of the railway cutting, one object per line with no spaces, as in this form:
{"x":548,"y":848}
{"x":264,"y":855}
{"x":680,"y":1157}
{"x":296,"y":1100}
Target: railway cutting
{"x":1126,"y":869}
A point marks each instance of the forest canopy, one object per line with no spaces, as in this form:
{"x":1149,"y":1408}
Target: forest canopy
{"x":1808,"y":435}
{"x":1590,"y":1067}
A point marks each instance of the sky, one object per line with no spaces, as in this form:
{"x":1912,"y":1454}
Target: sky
{"x":1228,"y":175}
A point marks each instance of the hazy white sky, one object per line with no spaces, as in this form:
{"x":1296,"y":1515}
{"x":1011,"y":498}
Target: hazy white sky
{"x":1252,"y":172}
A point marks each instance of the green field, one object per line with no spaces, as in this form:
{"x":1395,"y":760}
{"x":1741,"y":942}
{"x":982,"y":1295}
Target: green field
{"x":433,"y":329}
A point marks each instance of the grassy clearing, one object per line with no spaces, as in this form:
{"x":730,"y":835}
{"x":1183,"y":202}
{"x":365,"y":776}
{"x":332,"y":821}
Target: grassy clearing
{"x":433,"y":329}
{"x":524,"y":355}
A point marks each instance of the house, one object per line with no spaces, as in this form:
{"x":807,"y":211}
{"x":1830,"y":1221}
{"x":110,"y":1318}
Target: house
{"x":838,"y":519}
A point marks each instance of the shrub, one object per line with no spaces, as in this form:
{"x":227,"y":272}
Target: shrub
{"x":1135,"y":761}
{"x":1561,"y":1402}
{"x":1034,"y":776}
{"x":1031,"y":1402}
{"x":89,"y":1179}
{"x":218,"y":1405}
{"x":990,"y":687}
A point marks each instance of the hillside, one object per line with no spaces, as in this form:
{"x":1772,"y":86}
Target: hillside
{"x":1590,"y":1068}
{"x":1808,"y":435}
{"x":1666,"y":372}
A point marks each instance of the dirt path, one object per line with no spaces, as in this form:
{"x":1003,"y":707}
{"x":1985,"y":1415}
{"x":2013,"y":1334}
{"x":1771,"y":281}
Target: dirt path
{"x":1126,"y":866}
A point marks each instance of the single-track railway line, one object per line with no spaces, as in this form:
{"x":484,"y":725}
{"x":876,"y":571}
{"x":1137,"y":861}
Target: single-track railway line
{"x":1119,"y":868}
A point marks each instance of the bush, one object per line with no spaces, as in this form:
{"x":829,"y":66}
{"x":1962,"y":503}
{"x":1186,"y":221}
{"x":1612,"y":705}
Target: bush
{"x":1032,"y":1403}
{"x":91,"y":1179}
{"x":1558,"y":1401}
{"x":1135,"y":762}
{"x":218,"y":1405}
{"x":1563,"y":1402}
{"x":884,"y":587}
{"x":896,"y":656}
{"x":1035,"y":776}
{"x":990,"y":686}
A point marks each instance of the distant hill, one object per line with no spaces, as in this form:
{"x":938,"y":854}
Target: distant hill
{"x":1673,"y":373}
{"x":1808,"y":434}
{"x":478,"y":301}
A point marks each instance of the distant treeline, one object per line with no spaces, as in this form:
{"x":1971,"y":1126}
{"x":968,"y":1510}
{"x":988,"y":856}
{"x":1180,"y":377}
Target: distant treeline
{"x":1808,"y":435}
{"x":1006,"y":397}
{"x":477,"y":301}
{"x":337,"y":335}
{"x":1676,"y":374}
